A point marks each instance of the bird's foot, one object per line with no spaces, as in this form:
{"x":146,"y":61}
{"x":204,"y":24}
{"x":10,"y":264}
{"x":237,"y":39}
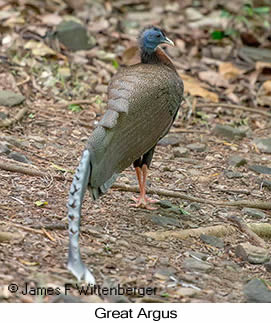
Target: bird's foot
{"x":144,"y":202}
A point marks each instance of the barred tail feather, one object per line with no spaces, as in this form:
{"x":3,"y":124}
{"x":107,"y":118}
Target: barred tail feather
{"x":76,"y":195}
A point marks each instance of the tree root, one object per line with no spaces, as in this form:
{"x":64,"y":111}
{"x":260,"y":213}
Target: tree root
{"x":242,"y":203}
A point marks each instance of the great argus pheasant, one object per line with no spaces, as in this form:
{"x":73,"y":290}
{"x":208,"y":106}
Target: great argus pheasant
{"x":143,"y":101}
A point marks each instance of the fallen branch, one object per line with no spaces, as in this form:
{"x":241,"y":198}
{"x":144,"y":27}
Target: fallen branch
{"x":260,"y":229}
{"x":233,"y":106}
{"x":75,"y":102}
{"x":241,"y":203}
{"x":217,"y":230}
{"x":8,"y":122}
{"x":247,"y":230}
{"x":10,"y":166}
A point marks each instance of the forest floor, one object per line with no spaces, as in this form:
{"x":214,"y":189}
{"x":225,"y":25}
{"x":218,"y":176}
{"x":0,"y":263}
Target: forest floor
{"x":121,"y":244}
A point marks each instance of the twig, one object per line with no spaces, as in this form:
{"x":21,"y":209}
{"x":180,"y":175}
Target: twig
{"x":233,"y":106}
{"x":244,"y":228}
{"x":241,"y":203}
{"x":6,"y":165}
{"x":51,"y":226}
{"x":8,"y":122}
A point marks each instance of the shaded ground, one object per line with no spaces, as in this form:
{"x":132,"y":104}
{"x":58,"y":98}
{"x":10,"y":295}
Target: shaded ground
{"x":113,"y":237}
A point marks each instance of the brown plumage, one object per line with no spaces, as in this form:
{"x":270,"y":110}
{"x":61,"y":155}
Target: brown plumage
{"x":143,"y":101}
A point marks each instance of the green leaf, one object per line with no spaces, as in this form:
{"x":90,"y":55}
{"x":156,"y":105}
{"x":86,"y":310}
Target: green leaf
{"x":165,"y":295}
{"x":64,"y":170}
{"x":31,"y":115}
{"x":41,"y":203}
{"x":261,"y":10}
{"x":75,"y":108}
{"x":184,"y":212}
{"x":115,"y":64}
{"x":225,"y":14}
{"x":218,"y":35}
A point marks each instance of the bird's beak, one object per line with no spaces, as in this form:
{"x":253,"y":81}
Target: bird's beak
{"x":168,"y":41}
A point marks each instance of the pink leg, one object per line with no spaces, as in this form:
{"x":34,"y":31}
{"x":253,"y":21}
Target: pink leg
{"x":143,"y":201}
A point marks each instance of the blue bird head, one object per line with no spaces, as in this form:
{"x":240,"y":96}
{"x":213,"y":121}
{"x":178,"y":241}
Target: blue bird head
{"x":151,"y":37}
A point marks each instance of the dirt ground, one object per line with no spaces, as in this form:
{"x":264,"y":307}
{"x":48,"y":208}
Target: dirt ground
{"x":114,"y":236}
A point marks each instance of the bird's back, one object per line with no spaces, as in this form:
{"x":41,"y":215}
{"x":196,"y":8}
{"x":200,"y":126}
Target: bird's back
{"x":143,"y":100}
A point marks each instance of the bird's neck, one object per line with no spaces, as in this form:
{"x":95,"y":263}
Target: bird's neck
{"x":156,"y":57}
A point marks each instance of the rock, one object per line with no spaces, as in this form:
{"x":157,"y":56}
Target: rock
{"x":254,"y":213}
{"x":165,"y":221}
{"x":4,"y":148}
{"x":198,"y":147}
{"x":194,"y":206}
{"x":186,"y":292}
{"x":180,"y":152}
{"x":164,"y":273}
{"x":197,"y":265}
{"x":237,"y":161}
{"x":9,"y":98}
{"x":212,"y":241}
{"x":267,"y":266}
{"x":170,"y":140}
{"x":252,"y":254}
{"x":257,"y":292}
{"x":198,"y":255}
{"x":263,"y":144}
{"x":74,"y":36}
{"x":230,"y":174}
{"x":266,"y":183}
{"x":165,"y":204}
{"x":230,"y":132}
{"x":260,"y":169}
{"x":18,"y":157}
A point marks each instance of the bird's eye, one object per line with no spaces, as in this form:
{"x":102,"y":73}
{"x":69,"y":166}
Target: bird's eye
{"x":158,"y":36}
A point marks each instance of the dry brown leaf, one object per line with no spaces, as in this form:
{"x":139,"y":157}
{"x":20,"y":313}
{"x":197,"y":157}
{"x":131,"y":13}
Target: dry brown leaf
{"x":194,"y":87}
{"x":229,"y":71}
{"x":264,"y":94}
{"x":39,"y":49}
{"x":213,"y":78}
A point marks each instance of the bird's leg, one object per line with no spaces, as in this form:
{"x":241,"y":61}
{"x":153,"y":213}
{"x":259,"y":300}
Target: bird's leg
{"x":143,"y":201}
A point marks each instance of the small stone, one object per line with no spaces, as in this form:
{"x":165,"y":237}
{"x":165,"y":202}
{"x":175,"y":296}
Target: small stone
{"x":170,"y":140}
{"x":165,"y":221}
{"x":186,"y":292}
{"x":194,"y":206}
{"x":266,"y":183}
{"x":74,"y":36}
{"x":257,"y":292}
{"x":260,"y":169}
{"x":165,"y":204}
{"x":197,"y":265}
{"x":237,"y":161}
{"x":254,"y":213}
{"x":4,"y":149}
{"x":230,"y":174}
{"x":267,"y":266}
{"x":180,"y":152}
{"x":230,"y":132}
{"x":164,"y":260}
{"x":9,"y":98}
{"x":18,"y":157}
{"x":140,"y":260}
{"x":212,"y":241}
{"x":252,"y":254}
{"x":263,"y":144}
{"x":198,"y":147}
{"x":164,"y":274}
{"x":199,"y":255}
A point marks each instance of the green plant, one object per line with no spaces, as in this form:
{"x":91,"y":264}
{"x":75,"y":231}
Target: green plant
{"x":247,"y":15}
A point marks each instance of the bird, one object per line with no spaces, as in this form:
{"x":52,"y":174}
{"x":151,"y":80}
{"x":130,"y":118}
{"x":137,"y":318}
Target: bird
{"x":143,"y":101}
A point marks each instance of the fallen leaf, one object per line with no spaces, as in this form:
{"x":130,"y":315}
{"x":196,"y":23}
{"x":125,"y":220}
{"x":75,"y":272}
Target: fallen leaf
{"x":41,"y":203}
{"x":28,"y":263}
{"x":39,"y":49}
{"x":213,"y":78}
{"x":264,"y":94}
{"x":194,"y":87}
{"x":229,"y":71}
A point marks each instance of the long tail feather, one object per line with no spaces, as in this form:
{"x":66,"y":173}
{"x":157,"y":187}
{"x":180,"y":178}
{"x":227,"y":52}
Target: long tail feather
{"x":76,"y":195}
